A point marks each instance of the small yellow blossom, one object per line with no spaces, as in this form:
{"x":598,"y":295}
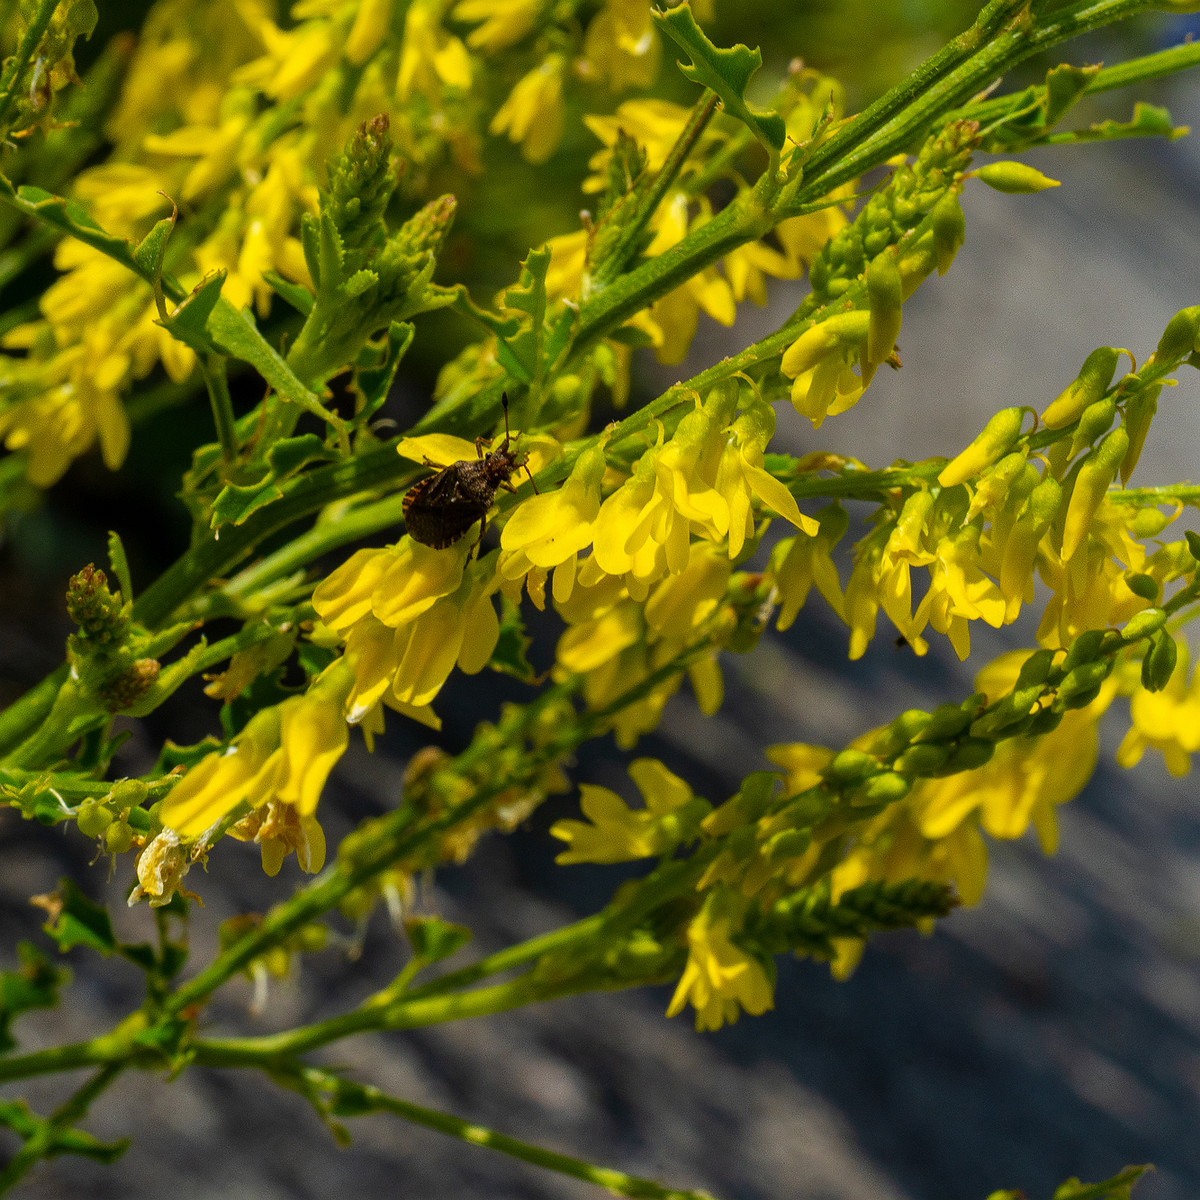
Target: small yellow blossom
{"x":532,"y":116}
{"x":278,"y":829}
{"x":503,"y":21}
{"x":720,"y":978}
{"x":622,"y":46}
{"x":1167,"y":721}
{"x":820,"y":362}
{"x":617,"y":833}
{"x":430,"y":58}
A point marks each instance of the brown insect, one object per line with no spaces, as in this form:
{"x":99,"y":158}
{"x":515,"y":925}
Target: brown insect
{"x":440,"y":509}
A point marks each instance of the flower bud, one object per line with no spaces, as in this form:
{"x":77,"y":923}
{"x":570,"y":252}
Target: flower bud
{"x":1082,"y":650}
{"x":1143,"y":624}
{"x":118,"y":837}
{"x":991,"y":444}
{"x":885,"y":788}
{"x":849,"y":766}
{"x":1083,"y":679}
{"x":819,"y":341}
{"x":949,"y":230}
{"x":93,"y":818}
{"x":1098,"y":471}
{"x":791,"y":843}
{"x":946,"y":721}
{"x":1143,"y":585}
{"x":1009,"y":176}
{"x":1096,"y":419}
{"x":885,"y":297}
{"x":968,"y":755}
{"x":1181,"y":336}
{"x":1159,"y":663}
{"x":1140,"y":410}
{"x":1035,"y":669}
{"x":1089,"y":385}
{"x":923,"y":759}
{"x":1047,"y":721}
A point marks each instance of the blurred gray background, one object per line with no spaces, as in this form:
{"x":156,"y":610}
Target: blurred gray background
{"x":1054,"y":1030}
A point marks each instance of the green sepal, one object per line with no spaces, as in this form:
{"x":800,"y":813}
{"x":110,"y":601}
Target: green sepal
{"x":80,"y":922}
{"x":509,"y":656}
{"x":35,"y":984}
{"x":374,"y":383}
{"x":727,"y":72}
{"x":296,"y":294}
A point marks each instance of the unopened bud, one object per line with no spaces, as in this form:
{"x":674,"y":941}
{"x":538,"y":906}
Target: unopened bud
{"x":1145,"y":623}
{"x":93,"y":818}
{"x":1010,"y":176}
{"x":1159,"y":664}
{"x":949,"y":230}
{"x":1093,"y":380}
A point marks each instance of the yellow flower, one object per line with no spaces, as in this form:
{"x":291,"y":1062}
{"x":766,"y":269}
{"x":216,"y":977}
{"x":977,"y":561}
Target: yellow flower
{"x":802,"y":561}
{"x":430,"y":58}
{"x":622,"y":45}
{"x":295,"y":60}
{"x":1168,"y":721}
{"x":371,"y":24}
{"x":960,"y":592}
{"x":504,"y":21}
{"x":280,"y":828}
{"x":820,"y":363}
{"x":549,"y":530}
{"x":654,"y":124}
{"x":533,"y":113}
{"x":720,"y":978}
{"x":285,"y":753}
{"x":741,"y":477}
{"x":617,"y":833}
{"x":216,"y":148}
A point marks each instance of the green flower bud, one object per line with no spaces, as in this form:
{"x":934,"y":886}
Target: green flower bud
{"x":991,"y":444}
{"x":128,"y":793}
{"x":1098,"y":471}
{"x":1010,"y":176}
{"x":1085,"y":678}
{"x":808,"y":808}
{"x":1143,"y":624}
{"x":93,"y":818}
{"x":969,"y":754}
{"x":885,"y":298}
{"x":1140,"y":410}
{"x":1193,"y":541}
{"x":1181,"y":336}
{"x":885,"y":788}
{"x":922,"y":759}
{"x":946,"y":721}
{"x":949,"y":230}
{"x":1143,"y":585}
{"x":1035,"y":669}
{"x":1047,"y":721}
{"x":1096,"y":419}
{"x":1093,"y":380}
{"x":791,"y":843}
{"x":118,"y":837}
{"x":1159,"y":663}
{"x":849,"y":766}
{"x":1082,"y":650}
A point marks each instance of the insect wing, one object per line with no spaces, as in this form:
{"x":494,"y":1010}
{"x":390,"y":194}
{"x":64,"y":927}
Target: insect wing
{"x":436,"y":512}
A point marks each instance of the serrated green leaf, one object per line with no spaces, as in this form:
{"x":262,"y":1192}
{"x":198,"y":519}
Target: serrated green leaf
{"x":189,"y":321}
{"x":1116,"y":1188}
{"x":289,"y":454}
{"x":727,"y":72}
{"x":151,"y":250}
{"x":80,"y":922}
{"x":120,"y":565}
{"x":374,"y":383}
{"x":35,"y":984}
{"x":235,"y":502}
{"x":509,"y":656}
{"x":359,"y":282}
{"x":296,"y":294}
{"x":520,"y":352}
{"x":434,"y":939}
{"x":1065,"y":84}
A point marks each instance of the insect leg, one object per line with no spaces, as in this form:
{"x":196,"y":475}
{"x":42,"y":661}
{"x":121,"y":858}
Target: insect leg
{"x":479,"y":539}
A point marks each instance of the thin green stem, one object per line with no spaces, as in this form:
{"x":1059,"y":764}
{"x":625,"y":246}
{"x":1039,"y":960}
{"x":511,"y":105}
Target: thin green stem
{"x":215,"y":379}
{"x":38,"y":24}
{"x":615,"y":1182}
{"x":44,"y":1141}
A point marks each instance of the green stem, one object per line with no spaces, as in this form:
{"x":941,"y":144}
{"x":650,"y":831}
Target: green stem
{"x":631,"y":233}
{"x":616,"y":1182}
{"x":212,"y":366}
{"x":38,"y":24}
{"x":44,"y":1141}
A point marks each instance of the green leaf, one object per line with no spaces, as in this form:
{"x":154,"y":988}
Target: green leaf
{"x":120,"y":565}
{"x":520,"y":352}
{"x":434,"y":939}
{"x":190,"y":320}
{"x":288,"y":455}
{"x":727,"y":72}
{"x":1116,"y":1188}
{"x":35,"y":984}
{"x":151,"y":250}
{"x":80,"y":922}
{"x":509,"y":656}
{"x":374,"y":383}
{"x":296,"y":294}
{"x":235,"y":502}
{"x":173,"y":755}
